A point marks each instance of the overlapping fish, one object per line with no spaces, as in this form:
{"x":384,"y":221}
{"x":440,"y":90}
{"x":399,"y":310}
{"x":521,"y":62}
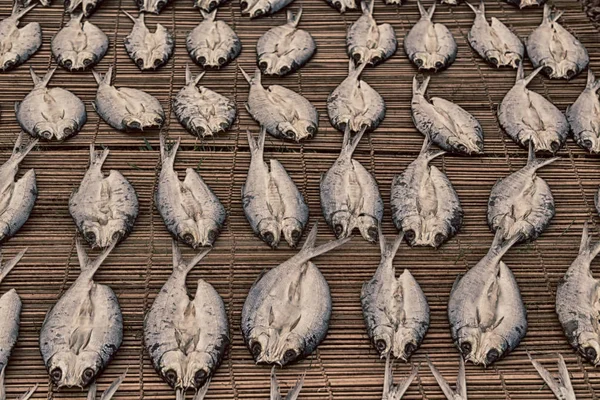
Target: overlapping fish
{"x":18,"y":45}
{"x":486,"y":313}
{"x":355,"y":103}
{"x":350,"y":196}
{"x":396,"y":311}
{"x":561,"y":387}
{"x":152,"y":6}
{"x":448,"y":125}
{"x":84,"y":329}
{"x":527,"y":116}
{"x":16,"y":197}
{"x":86,"y":6}
{"x":285,"y":48}
{"x":286,"y":314}
{"x":584,"y":116}
{"x":260,"y":8}
{"x":424,"y":204}
{"x":203,"y":112}
{"x":392,"y":391}
{"x":207,"y":5}
{"x":555,"y":49}
{"x":79,"y":45}
{"x":212,"y":43}
{"x":186,"y":338}
{"x":148,"y":50}
{"x":494,"y":42}
{"x":126,"y":109}
{"x":367,"y":42}
{"x":522,"y":204}
{"x":343,"y":5}
{"x":272,"y":203}
{"x":50,"y":114}
{"x":276,"y":391}
{"x":104,"y":208}
{"x":461,"y":381}
{"x":525,"y":3}
{"x":282,"y":112}
{"x":190,"y":209}
{"x":577,"y":302}
{"x":430,"y":46}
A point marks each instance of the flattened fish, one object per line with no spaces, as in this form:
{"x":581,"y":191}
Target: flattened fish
{"x":395,"y":310}
{"x":283,"y":113}
{"x":104,"y":208}
{"x":86,"y":6}
{"x":201,"y":111}
{"x":260,"y":8}
{"x":186,"y":337}
{"x":272,"y":203}
{"x":461,"y":381}
{"x":285,"y":48}
{"x":494,"y":42}
{"x":50,"y":114}
{"x":430,"y":46}
{"x":79,"y":45}
{"x":18,"y":45}
{"x":152,"y":6}
{"x":424,"y":204}
{"x":213,"y":43}
{"x":17,"y":197}
{"x":445,"y":123}
{"x":355,"y":103}
{"x":190,"y":209}
{"x":527,"y":116}
{"x":584,"y":116}
{"x":148,"y":50}
{"x":84,"y":329}
{"x":287,"y":311}
{"x":126,"y":109}
{"x":555,"y":49}
{"x":350,"y":196}
{"x":561,"y":387}
{"x":522,"y":203}
{"x":395,"y":391}
{"x":368,"y":42}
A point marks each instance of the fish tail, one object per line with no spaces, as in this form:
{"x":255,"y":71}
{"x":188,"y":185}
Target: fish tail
{"x":168,"y":155}
{"x":586,"y":247}
{"x":210,"y":16}
{"x":42,"y":83}
{"x":17,"y":13}
{"x":20,"y":152}
{"x":499,"y":246}
{"x":367,"y":7}
{"x":537,"y":163}
{"x":389,"y":251}
{"x":529,"y":78}
{"x":103,"y":79}
{"x":131,"y":16}
{"x":560,"y":386}
{"x":420,"y":89}
{"x":179,"y":265}
{"x":309,"y":250}
{"x":426,"y":150}
{"x":25,"y":396}
{"x":442,"y":382}
{"x":477,"y":10}
{"x":97,"y":160}
{"x":292,"y":19}
{"x":257,"y":145}
{"x":202,"y":391}
{"x":295,"y":391}
{"x":592,"y":83}
{"x":112,"y":389}
{"x":351,"y":143}
{"x":355,"y":71}
{"x":6,"y":268}
{"x":85,"y":264}
{"x":422,"y":9}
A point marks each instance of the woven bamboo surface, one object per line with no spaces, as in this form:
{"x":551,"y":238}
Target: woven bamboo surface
{"x":345,"y":366}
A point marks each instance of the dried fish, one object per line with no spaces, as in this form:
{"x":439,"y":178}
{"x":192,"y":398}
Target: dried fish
{"x":208,"y":5}
{"x":584,"y":116}
{"x":87,"y":6}
{"x":50,"y":114}
{"x":152,"y":6}
{"x":526,"y":3}
{"x":148,"y":50}
{"x":213,"y":43}
{"x":393,"y":391}
{"x":561,"y":387}
{"x":260,"y":8}
{"x":18,"y":45}
{"x":461,"y":381}
{"x":343,"y":5}
{"x":276,"y":391}
{"x":201,"y":111}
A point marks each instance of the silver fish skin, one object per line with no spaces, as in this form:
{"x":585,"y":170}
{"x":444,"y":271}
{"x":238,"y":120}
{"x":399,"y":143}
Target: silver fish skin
{"x":430,"y":46}
{"x":395,"y":391}
{"x":84,"y":329}
{"x":526,"y":3}
{"x":203,"y":112}
{"x":367,"y":42}
{"x":212,"y":43}
{"x":86,"y":6}
{"x":561,"y":387}
{"x":276,"y":391}
{"x":148,"y":50}
{"x":448,"y":125}
{"x":261,"y":8}
{"x":272,"y":202}
{"x":522,"y":203}
{"x":494,"y":42}
{"x":108,"y":393}
{"x":282,"y":112}
{"x":343,"y":5}
{"x":527,"y":116}
{"x":350,"y":195}
{"x":424,"y":204}
{"x":18,"y":197}
{"x":287,"y":311}
{"x":186,"y":337}
{"x":486,"y":313}
{"x":191,"y":211}
{"x":555,"y":49}
{"x":17,"y":45}
{"x":285,"y":48}
{"x":396,"y":311}
{"x":50,"y":114}
{"x":461,"y":381}
{"x":577,"y":302}
{"x":208,"y":5}
{"x":104,"y":209}
{"x":79,"y":45}
{"x":152,"y":6}
{"x":355,"y":103}
{"x":126,"y":109}
{"x":584,"y":116}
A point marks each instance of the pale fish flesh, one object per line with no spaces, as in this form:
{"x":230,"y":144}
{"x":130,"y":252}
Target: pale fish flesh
{"x":584,"y":116}
{"x":561,"y":387}
{"x":18,"y":45}
{"x":395,"y":391}
{"x":87,"y":6}
{"x":461,"y":381}
{"x":212,"y":43}
{"x":272,"y":203}
{"x":189,"y":208}
{"x":260,"y":8}
{"x":276,"y":391}
{"x":148,"y":50}
{"x":203,"y":112}
{"x":104,"y":208}
{"x":50,"y":114}
{"x":152,"y":6}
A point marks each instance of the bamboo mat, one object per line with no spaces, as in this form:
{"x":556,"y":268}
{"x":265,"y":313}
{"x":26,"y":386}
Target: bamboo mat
{"x":345,"y":366}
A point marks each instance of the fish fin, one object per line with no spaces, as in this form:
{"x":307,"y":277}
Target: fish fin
{"x":179,"y":264}
{"x":426,"y":150}
{"x":548,"y":17}
{"x":367,"y":7}
{"x":295,"y":391}
{"x":245,"y":74}
{"x":461,"y":379}
{"x":586,"y":246}
{"x":189,"y":77}
{"x":27,"y":395}
{"x":592,"y":83}
{"x":18,"y":14}
{"x":275,"y":391}
{"x":92,"y":389}
{"x":8,"y":266}
{"x":292,"y":19}
{"x":477,"y":10}
{"x":131,"y":16}
{"x":309,"y":250}
{"x":529,"y":77}
{"x":209,"y":16}
{"x":200,"y":393}
{"x":420,"y":88}
{"x":84,"y":262}
{"x":351,"y":143}
{"x":552,"y":383}
{"x":563,"y":373}
{"x":112,"y":389}
{"x":44,"y":81}
{"x":355,"y":71}
{"x":532,"y":161}
{"x":96,"y":160}
{"x":422,"y":9}
{"x":168,"y":154}
{"x":19,"y":152}
{"x":499,"y":247}
{"x":448,"y":392}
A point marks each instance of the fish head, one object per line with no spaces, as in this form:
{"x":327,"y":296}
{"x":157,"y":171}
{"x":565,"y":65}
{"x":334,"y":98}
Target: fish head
{"x":492,"y":347}
{"x":9,"y":60}
{"x":297,"y":130}
{"x":292,"y":231}
{"x":429,"y":61}
{"x":283,"y":349}
{"x":209,"y":230}
{"x":45,"y":130}
{"x":360,"y":54}
{"x":151,"y":6}
{"x":200,"y":127}
{"x":171,"y":368}
{"x":269,"y":231}
{"x":188,"y":233}
{"x":219,"y":58}
{"x":92,"y":233}
{"x":369,"y":227}
{"x":567,"y":69}
{"x":150,"y":59}
{"x":247,"y":5}
{"x":512,"y":59}
{"x":284,"y":66}
{"x":467,"y":340}
{"x":529,"y":3}
{"x":588,"y":140}
{"x":85,"y":59}
{"x":198,"y":370}
{"x":494,"y":57}
{"x":89,"y":6}
{"x":259,"y":9}
{"x":267,"y":63}
{"x":544,"y":141}
{"x":206,"y":5}
{"x":466,"y":144}
{"x":383,"y":339}
{"x":68,"y":369}
{"x":406,"y":342}
{"x":589,"y":346}
{"x":341,"y":222}
{"x":65,"y":128}
{"x":551,"y":68}
{"x":343,"y":5}
{"x":71,"y":5}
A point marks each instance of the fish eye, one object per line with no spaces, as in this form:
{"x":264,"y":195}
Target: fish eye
{"x":171,"y":377}
{"x":89,"y":8}
{"x":158,"y":120}
{"x":67,"y":3}
{"x":587,"y":143}
{"x":269,"y":238}
{"x":9,"y":64}
{"x":200,"y":378}
{"x":56,"y":375}
{"x":570,"y":73}
{"x":462,"y":148}
{"x":46,"y":135}
{"x":212,"y":5}
{"x":296,"y":234}
{"x":439,"y":65}
{"x":88,"y":375}
{"x":376,"y":60}
{"x":338,"y":5}
{"x":212,"y":235}
{"x":243,"y":5}
{"x":465,"y":348}
{"x":409,"y":235}
{"x":90,"y":237}
{"x":289,"y":355}
{"x":68,"y":63}
{"x":222,"y":60}
{"x":284,"y":70}
{"x":116,"y":236}
{"x":263,"y":65}
{"x":202,"y":60}
{"x":439,"y":239}
{"x":67,"y":131}
{"x":139,"y":62}
{"x":356,"y":57}
{"x":87,"y":62}
{"x":418,"y":62}
{"x":381,"y":345}
{"x":555,"y":146}
{"x":258,"y":13}
{"x":290,"y":134}
{"x":311,"y":130}
{"x":160,"y":5}
{"x":372,"y":233}
{"x":517,"y":62}
{"x":188,"y":238}
{"x":200,"y":130}
{"x":492,"y":356}
{"x":548,"y":70}
{"x":256,"y":349}
{"x":338,"y":229}
{"x":409,"y":349}
{"x":590,"y":353}
{"x":494,"y":60}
